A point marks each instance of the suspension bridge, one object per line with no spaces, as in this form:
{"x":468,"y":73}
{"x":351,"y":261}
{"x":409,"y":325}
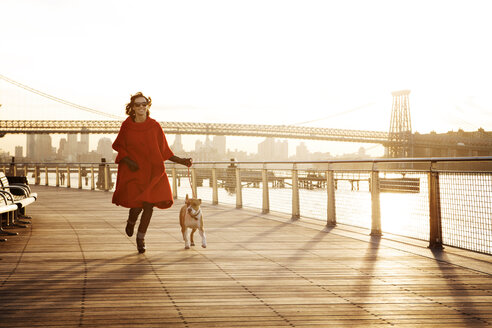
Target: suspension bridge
{"x":400,"y":141}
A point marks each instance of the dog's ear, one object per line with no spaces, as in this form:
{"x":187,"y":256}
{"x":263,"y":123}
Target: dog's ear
{"x":199,"y":201}
{"x":187,"y":200}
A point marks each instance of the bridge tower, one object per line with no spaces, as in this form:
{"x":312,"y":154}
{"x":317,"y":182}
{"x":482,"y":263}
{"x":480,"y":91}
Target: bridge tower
{"x":400,"y":133}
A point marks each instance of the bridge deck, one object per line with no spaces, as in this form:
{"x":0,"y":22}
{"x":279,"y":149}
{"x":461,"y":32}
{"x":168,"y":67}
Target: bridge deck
{"x":76,"y":267}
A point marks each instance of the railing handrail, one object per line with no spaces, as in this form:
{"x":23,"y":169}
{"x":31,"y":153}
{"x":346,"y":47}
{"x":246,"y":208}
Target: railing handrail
{"x":331,"y":161}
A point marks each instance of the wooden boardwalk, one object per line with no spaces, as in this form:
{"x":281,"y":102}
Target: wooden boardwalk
{"x":75,"y":267}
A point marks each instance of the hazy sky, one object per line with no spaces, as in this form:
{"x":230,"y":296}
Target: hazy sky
{"x":334,"y":63}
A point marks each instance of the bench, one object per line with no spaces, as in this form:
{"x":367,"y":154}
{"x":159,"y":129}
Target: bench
{"x":7,"y":209}
{"x":17,"y":193}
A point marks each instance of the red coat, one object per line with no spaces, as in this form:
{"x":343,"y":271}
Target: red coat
{"x":146,"y":144}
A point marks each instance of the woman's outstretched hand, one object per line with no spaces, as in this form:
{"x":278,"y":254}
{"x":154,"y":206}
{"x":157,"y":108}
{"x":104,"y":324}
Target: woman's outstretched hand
{"x":182,"y":161}
{"x":187,"y":162}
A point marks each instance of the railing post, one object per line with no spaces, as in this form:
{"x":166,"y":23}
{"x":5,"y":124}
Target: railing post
{"x":68,"y":176}
{"x":331,"y":217}
{"x":13,"y":168}
{"x":435,"y":229}
{"x":215,"y":189}
{"x":46,"y":177}
{"x":375,"y":203}
{"x":26,"y":171}
{"x":106,"y":176}
{"x":193,"y":182}
{"x":296,"y":213}
{"x":175,"y":183}
{"x":239,"y":193}
{"x":80,"y":176}
{"x":37,"y":175}
{"x":57,"y":176}
{"x":266,"y":195}
{"x":93,"y":187}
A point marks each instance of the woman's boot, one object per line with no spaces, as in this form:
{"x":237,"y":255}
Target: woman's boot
{"x":132,"y":219}
{"x":148,"y":209}
{"x":141,"y":242}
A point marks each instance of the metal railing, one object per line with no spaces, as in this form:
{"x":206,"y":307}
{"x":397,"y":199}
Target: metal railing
{"x":445,"y":201}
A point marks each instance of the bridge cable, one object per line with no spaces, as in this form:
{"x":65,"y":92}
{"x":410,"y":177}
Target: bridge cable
{"x":59,"y":100}
{"x":459,"y":119}
{"x":336,"y":114}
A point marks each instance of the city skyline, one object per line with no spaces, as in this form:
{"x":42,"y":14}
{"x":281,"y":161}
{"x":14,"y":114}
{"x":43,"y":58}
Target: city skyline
{"x":75,"y":148}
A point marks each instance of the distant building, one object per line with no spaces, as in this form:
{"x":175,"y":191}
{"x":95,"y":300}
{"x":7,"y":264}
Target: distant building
{"x":39,"y":148}
{"x":282,"y":150}
{"x":91,"y":157}
{"x":198,"y":145}
{"x":452,"y":144}
{"x":205,"y":151}
{"x":239,"y":155}
{"x":302,"y":152}
{"x":4,"y":156}
{"x":83,"y":146}
{"x":44,"y":150}
{"x":31,"y":146}
{"x":177,"y":146}
{"x":319,"y":156}
{"x":266,"y":149}
{"x":208,"y":143}
{"x":270,"y":149}
{"x":104,"y":147}
{"x":71,"y":147}
{"x":219,"y":143}
{"x":62,"y":149}
{"x":19,"y":152}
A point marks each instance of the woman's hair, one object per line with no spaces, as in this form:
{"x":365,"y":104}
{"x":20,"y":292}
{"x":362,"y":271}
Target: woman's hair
{"x":129,"y":107}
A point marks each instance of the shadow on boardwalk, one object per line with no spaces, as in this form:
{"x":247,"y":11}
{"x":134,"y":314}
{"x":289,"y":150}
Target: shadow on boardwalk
{"x":75,"y":267}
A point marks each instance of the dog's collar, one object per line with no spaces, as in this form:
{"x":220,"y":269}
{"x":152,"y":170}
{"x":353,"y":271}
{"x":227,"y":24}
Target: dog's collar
{"x":194,"y":214}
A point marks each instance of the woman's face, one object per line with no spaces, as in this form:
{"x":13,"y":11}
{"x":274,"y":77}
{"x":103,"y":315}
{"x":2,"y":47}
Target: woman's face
{"x":140,"y":107}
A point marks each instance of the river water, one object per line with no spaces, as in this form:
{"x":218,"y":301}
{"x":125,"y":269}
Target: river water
{"x":466,"y":206}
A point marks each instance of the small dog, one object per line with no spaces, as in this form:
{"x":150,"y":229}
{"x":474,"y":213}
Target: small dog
{"x":190,"y":216}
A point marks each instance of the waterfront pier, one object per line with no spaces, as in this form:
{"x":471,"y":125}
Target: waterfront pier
{"x":75,"y":267}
